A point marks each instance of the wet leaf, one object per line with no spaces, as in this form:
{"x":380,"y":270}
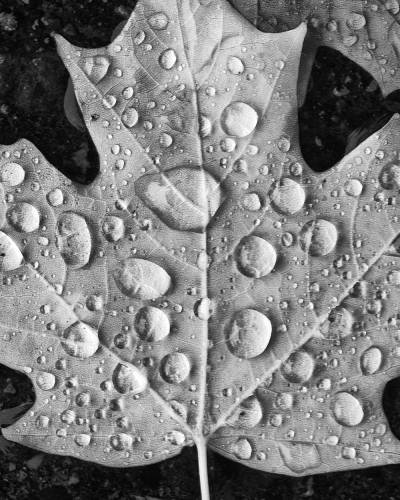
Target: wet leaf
{"x":366,"y":32}
{"x":207,"y":288}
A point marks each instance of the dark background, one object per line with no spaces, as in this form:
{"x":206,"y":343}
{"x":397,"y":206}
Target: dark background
{"x":341,"y":98}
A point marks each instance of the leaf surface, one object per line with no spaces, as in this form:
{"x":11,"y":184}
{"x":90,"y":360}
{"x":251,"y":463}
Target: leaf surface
{"x":207,"y":287}
{"x":367,"y":32}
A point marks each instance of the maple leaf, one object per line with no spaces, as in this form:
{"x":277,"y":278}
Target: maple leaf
{"x":207,"y":288}
{"x":366,"y":32}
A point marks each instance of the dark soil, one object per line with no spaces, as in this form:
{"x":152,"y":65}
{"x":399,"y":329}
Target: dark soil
{"x":341,"y":98}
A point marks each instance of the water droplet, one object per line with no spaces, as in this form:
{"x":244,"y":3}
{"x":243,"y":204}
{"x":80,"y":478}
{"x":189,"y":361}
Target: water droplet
{"x":239,"y":119}
{"x":80,"y":340}
{"x":340,"y":323}
{"x":128,"y":378}
{"x":255,"y":257}
{"x":235,"y":65}
{"x":12,"y":174}
{"x":184,"y":198}
{"x":96,"y":67}
{"x":390,"y":176}
{"x":350,"y":40}
{"x":249,"y":334}
{"x":109,"y":101}
{"x":166,"y":140}
{"x":82,"y":439}
{"x":204,"y":309}
{"x":42,"y":422}
{"x":347,"y":409}
{"x":139,"y":278}
{"x":288,"y":196}
{"x":284,"y":400}
{"x":95,"y":303}
{"x":392,"y":6}
{"x":45,"y":381}
{"x":205,"y":126}
{"x":353,"y":187}
{"x":55,"y":197}
{"x":371,"y":360}
{"x":168,"y":59}
{"x":68,"y":416}
{"x":10,"y":255}
{"x":120,"y":442}
{"x":284,"y":143}
{"x":159,"y":21}
{"x":175,"y":368}
{"x":299,"y":367}
{"x":248,"y":414}
{"x":318,"y":237}
{"x":152,"y":324}
{"x":242,"y":449}
{"x":355,"y":21}
{"x":130,"y":117}
{"x":127,"y":93}
{"x":24,"y":217}
{"x":252,"y":202}
{"x":393,"y":277}
{"x":176,"y":438}
{"x":113,"y":228}
{"x":349,"y":452}
{"x":74,"y":240}
{"x":228,"y":145}
{"x":300,"y":457}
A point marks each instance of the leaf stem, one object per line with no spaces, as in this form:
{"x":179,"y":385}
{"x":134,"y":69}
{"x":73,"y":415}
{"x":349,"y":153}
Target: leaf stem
{"x":201,"y":445}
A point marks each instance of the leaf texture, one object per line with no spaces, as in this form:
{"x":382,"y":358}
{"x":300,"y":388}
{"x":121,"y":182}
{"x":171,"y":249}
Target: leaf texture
{"x":207,"y":287}
{"x":367,"y":32}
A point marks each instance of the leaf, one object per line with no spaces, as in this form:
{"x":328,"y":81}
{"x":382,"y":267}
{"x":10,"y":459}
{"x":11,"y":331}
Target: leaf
{"x":366,"y":32}
{"x":207,"y":288}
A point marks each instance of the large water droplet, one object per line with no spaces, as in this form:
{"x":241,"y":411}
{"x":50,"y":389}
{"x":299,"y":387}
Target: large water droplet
{"x":113,"y":228}
{"x":159,"y":21}
{"x":82,"y":439}
{"x":355,"y":21}
{"x":184,"y":198}
{"x":390,"y":176}
{"x":120,"y":442}
{"x":80,"y":340}
{"x":175,"y":368}
{"x":96,"y":67}
{"x":255,"y":257}
{"x":242,"y":449}
{"x":347,"y":409}
{"x":10,"y":255}
{"x":74,"y":239}
{"x":168,"y":59}
{"x":130,"y":117}
{"x":353,"y":187}
{"x":24,"y":217}
{"x":371,"y":360}
{"x":204,"y":308}
{"x":248,"y":414}
{"x":12,"y":174}
{"x":299,"y":367}
{"x":127,"y":378}
{"x":152,"y":324}
{"x":340,"y":323}
{"x":249,"y":334}
{"x":45,"y":381}
{"x":318,"y":237}
{"x":299,"y":457}
{"x":239,"y":119}
{"x":139,"y":278}
{"x":235,"y":65}
{"x":288,"y":196}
